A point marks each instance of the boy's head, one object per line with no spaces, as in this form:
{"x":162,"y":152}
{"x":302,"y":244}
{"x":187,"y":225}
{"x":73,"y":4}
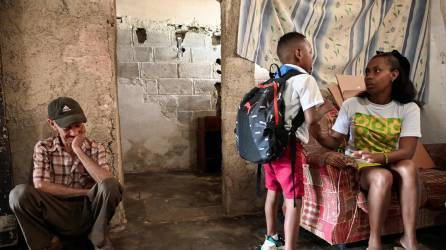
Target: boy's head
{"x":293,"y":48}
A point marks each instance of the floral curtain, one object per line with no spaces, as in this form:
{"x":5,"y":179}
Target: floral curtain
{"x":344,"y":34}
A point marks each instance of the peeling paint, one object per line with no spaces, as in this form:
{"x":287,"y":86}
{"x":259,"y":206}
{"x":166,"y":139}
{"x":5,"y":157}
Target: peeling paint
{"x":129,"y":22}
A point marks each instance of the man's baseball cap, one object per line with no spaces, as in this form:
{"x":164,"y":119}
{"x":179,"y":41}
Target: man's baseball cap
{"x":65,"y":111}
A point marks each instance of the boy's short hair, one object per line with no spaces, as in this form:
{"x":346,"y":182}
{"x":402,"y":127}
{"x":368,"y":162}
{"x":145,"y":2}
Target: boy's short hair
{"x":287,"y":42}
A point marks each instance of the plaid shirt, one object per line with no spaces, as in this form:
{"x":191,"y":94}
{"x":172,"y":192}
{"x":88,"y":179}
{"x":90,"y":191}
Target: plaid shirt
{"x":53,"y":164}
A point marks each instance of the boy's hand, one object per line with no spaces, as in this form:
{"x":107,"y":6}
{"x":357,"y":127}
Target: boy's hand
{"x":315,"y":114}
{"x":325,"y":107}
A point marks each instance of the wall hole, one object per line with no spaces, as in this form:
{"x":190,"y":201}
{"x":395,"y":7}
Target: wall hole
{"x":216,"y":38}
{"x":141,"y":34}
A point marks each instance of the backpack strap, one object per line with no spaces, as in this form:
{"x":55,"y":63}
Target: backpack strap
{"x":290,"y":74}
{"x":293,"y":146}
{"x":297,"y":121}
{"x":300,"y":118}
{"x":271,"y":73}
{"x":285,"y":78}
{"x":259,"y":177}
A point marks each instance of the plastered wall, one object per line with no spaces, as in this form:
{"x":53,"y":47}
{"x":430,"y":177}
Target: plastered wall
{"x":239,"y":176}
{"x":58,"y":48}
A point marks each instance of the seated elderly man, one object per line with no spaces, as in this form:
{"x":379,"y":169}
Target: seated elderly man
{"x":74,"y":192}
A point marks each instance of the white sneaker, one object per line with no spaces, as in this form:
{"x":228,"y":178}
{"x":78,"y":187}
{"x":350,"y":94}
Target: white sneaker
{"x":273,"y":242}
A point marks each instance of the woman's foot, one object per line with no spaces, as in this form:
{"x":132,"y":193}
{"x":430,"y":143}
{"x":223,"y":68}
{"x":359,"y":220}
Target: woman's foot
{"x":373,"y":248}
{"x":374,"y":245}
{"x":54,"y":244}
{"x":409,"y":245}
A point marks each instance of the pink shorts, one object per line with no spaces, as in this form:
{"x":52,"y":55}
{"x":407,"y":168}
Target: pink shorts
{"x":278,"y":175}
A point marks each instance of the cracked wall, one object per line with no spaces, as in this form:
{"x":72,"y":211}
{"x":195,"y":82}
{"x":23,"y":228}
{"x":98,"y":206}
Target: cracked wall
{"x":166,"y":77}
{"x":58,"y":48}
{"x":207,"y":12}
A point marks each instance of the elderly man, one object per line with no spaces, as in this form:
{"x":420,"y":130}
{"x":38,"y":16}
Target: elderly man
{"x":74,"y":192}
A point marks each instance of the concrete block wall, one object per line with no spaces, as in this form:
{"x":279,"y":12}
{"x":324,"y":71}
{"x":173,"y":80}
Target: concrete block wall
{"x":162,"y":92}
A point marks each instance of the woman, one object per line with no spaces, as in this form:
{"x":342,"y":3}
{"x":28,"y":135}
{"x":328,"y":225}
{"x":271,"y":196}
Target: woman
{"x":382,"y":125}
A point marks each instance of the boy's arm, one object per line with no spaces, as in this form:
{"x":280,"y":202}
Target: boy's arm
{"x":314,"y":114}
{"x":331,"y":141}
{"x":339,"y":132}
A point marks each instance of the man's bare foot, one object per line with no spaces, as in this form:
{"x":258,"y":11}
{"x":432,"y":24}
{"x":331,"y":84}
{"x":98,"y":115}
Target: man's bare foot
{"x":54,"y":244}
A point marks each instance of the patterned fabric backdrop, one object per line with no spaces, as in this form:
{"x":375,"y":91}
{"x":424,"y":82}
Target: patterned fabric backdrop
{"x":344,"y":34}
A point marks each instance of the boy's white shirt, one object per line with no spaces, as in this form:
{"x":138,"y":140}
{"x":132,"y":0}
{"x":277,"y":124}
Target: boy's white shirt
{"x":300,"y":91}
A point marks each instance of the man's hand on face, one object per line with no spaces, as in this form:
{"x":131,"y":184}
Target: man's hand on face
{"x":79,"y":139}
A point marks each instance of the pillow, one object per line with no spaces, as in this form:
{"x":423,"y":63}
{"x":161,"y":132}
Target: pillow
{"x":422,"y":158}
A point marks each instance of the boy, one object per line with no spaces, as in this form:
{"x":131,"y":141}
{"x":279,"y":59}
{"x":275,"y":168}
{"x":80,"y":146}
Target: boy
{"x":295,"y":53}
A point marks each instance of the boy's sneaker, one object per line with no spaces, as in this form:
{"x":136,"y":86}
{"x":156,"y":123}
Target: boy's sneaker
{"x":273,"y":242}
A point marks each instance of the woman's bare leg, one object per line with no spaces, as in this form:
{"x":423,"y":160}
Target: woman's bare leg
{"x":408,"y":187}
{"x":378,"y":182}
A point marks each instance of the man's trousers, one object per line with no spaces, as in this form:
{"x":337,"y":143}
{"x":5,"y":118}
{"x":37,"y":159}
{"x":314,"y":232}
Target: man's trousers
{"x":41,"y":216}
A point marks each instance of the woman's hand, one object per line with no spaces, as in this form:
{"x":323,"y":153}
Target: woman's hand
{"x":336,"y":159}
{"x":369,"y":157}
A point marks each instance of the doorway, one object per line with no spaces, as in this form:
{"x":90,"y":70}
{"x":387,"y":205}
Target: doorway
{"x":168,"y":76}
